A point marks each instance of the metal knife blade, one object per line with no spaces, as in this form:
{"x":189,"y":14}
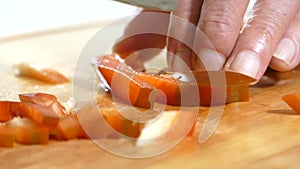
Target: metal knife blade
{"x":103,"y":82}
{"x":162,"y":5}
{"x":207,"y":78}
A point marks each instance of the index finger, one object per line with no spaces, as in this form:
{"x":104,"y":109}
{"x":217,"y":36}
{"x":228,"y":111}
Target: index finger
{"x":132,"y":41}
{"x":258,"y":41}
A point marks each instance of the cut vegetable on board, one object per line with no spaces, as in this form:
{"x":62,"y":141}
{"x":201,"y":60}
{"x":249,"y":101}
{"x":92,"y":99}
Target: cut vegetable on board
{"x":135,"y":88}
{"x":45,"y":75}
{"x":293,"y":100}
{"x":28,"y":132}
{"x":7,"y":135}
{"x":35,"y":119}
{"x":39,"y":117}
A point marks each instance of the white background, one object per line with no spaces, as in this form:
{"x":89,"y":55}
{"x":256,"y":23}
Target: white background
{"x":24,"y":16}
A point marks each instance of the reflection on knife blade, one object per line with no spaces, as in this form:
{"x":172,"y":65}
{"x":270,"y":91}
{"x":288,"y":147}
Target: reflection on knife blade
{"x":163,"y":5}
{"x":209,"y":77}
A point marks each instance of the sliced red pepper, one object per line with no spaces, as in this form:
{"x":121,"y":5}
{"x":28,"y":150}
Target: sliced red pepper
{"x":41,"y":115}
{"x":130,"y":89}
{"x":68,"y":128}
{"x":130,"y":128}
{"x":28,"y":132}
{"x":7,"y":136}
{"x":120,"y":123}
{"x":46,"y":100}
{"x":44,"y":109}
{"x":293,"y":100}
{"x":236,"y":93}
{"x":165,"y":83}
{"x":126,"y":83}
{"x":50,"y":76}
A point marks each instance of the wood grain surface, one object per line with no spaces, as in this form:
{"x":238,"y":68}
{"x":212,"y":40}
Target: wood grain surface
{"x":261,"y":133}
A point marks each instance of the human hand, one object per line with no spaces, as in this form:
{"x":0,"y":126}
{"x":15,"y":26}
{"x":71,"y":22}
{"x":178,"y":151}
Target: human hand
{"x":268,"y":38}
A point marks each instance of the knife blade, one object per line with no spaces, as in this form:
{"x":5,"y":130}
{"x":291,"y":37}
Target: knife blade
{"x":208,"y":78}
{"x":162,"y":5}
{"x":103,"y":83}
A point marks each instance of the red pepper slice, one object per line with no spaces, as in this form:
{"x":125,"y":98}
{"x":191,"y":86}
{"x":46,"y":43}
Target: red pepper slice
{"x":120,"y":123}
{"x":135,"y":87}
{"x":28,"y":132}
{"x":68,"y":128}
{"x":44,"y":99}
{"x":46,"y":75}
{"x":41,"y":115}
{"x":124,"y":82}
{"x":44,"y":109}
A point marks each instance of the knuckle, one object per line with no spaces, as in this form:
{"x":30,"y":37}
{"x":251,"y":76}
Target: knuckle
{"x":268,"y":26}
{"x":271,"y":21}
{"x":218,"y":19}
{"x":267,"y":30}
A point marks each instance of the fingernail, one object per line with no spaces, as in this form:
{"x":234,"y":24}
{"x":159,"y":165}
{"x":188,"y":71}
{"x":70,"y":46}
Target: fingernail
{"x":285,"y":51}
{"x":211,"y":60}
{"x":247,"y":63}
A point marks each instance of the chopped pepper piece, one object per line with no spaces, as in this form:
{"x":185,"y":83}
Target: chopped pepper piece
{"x":50,"y":76}
{"x":120,"y":123}
{"x":46,"y":100}
{"x":41,"y":115}
{"x":4,"y":111}
{"x":68,"y":128}
{"x":293,"y":100}
{"x":28,"y":132}
{"x":7,"y":136}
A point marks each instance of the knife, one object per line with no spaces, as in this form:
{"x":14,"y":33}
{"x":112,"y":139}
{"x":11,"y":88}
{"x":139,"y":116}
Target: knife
{"x":162,"y":5}
{"x":210,"y":78}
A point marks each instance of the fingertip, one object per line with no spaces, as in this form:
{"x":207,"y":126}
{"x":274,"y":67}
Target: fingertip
{"x":285,"y":57}
{"x":285,"y":51}
{"x":246,"y":62}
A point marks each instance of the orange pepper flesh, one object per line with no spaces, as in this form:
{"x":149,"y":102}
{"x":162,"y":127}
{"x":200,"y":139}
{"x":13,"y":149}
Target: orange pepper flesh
{"x":125,"y":82}
{"x":235,"y":93}
{"x":44,"y":99}
{"x":68,"y":128}
{"x":28,"y":132}
{"x":167,"y":84}
{"x":7,"y":136}
{"x":4,"y":111}
{"x":116,"y":120}
{"x":43,"y":109}
{"x":128,"y":87}
{"x":42,"y":115}
{"x":46,"y":75}
{"x":121,"y":124}
{"x":293,"y":100}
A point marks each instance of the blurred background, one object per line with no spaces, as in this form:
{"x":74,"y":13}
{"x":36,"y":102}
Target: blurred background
{"x":26,"y":16}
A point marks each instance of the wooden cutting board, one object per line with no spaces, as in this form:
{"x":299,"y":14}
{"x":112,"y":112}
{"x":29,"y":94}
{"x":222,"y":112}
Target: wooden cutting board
{"x":261,"y":133}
